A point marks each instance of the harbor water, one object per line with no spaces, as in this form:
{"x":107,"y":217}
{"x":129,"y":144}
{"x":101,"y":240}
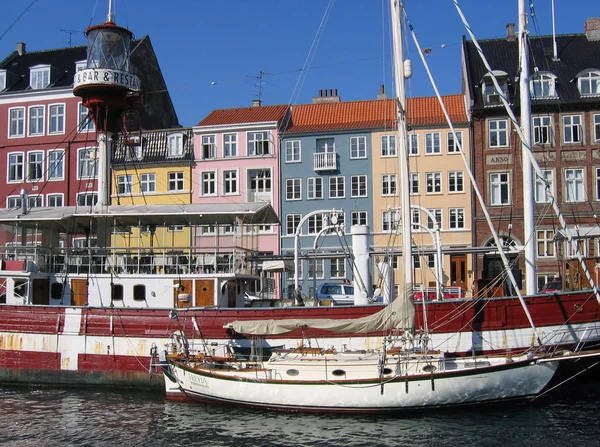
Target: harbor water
{"x":44,"y":416}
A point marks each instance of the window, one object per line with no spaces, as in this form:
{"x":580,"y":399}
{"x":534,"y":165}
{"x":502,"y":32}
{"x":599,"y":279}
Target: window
{"x":124,"y":184}
{"x":36,"y":121}
{"x":87,"y":199}
{"x":315,"y":223}
{"x":230,"y":182}
{"x":139,"y":292}
{"x":456,"y":181}
{"x":338,"y":268}
{"x":260,"y":183}
{"x":358,"y":147}
{"x":388,"y":145}
{"x":416,"y":261}
{"x":336,"y":187}
{"x":148,"y":182}
{"x":86,"y":123}
{"x":316,"y":268}
{"x":86,"y":163}
{"x":209,"y":149}
{"x":293,"y":189}
{"x":230,"y":145}
{"x":314,"y":188}
{"x":589,"y":83}
{"x":577,"y":245}
{"x":457,"y":218}
{"x":388,"y":184}
{"x":56,"y":165}
{"x":491,"y":96}
{"x":542,"y":130}
{"x":2,"y":80}
{"x":542,"y":86}
{"x":35,"y":201}
{"x":209,"y":183}
{"x":414,"y":183}
{"x":176,"y":182}
{"x":16,"y":122}
{"x":415,"y":219}
{"x":35,"y":166}
{"x":498,"y":133}
{"x":389,"y":222}
{"x":258,"y":143}
{"x":597,"y":183}
{"x":175,"y":145}
{"x":13,"y":202}
{"x":546,"y":247}
{"x":358,"y":218}
{"x":291,"y":223}
{"x":325,"y":145}
{"x":432,"y":143}
{"x":56,"y":118}
{"x":208,"y":229}
{"x":596,"y":124}
{"x":55,"y":200}
{"x":572,"y":129}
{"x":452,"y":145}
{"x":437,"y":214}
{"x":544,"y":187}
{"x":499,"y":188}
{"x":39,"y":77}
{"x":433,"y":182}
{"x":359,"y":186}
{"x":413,"y":144}
{"x":574,"y":185}
{"x":292,"y":151}
{"x":15,"y":167}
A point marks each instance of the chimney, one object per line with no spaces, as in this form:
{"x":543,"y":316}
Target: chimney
{"x":382,"y":94}
{"x":21,"y":48}
{"x":327,"y":96}
{"x":592,"y":29}
{"x":510,"y":32}
{"x":256,"y":103}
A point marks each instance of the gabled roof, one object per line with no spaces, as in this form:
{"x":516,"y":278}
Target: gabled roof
{"x":423,"y":111}
{"x":354,"y":115}
{"x":245,"y":115}
{"x":575,"y":54}
{"x":155,"y":148}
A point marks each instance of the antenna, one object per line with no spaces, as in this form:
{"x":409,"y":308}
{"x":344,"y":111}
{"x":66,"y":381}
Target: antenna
{"x":70,"y":32}
{"x":261,"y":75}
{"x":555,"y":58}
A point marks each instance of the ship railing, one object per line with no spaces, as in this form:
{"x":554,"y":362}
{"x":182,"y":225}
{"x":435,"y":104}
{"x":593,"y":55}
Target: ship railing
{"x":171,"y":260}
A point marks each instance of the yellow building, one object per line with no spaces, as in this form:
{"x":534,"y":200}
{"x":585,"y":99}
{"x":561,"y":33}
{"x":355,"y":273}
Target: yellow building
{"x":158,"y":171}
{"x":439,"y":184}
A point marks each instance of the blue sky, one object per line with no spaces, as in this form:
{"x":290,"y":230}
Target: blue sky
{"x":212,"y":51}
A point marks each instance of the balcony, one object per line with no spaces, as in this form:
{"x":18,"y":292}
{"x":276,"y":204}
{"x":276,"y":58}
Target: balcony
{"x":326,"y":161}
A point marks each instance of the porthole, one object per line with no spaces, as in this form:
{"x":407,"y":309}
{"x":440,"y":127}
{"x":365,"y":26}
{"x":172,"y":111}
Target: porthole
{"x":292,"y":372}
{"x":387,"y":371}
{"x":338,"y":372}
{"x":429,"y":368}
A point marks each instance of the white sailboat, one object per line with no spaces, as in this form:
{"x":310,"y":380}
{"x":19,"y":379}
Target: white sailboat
{"x":403,"y":374}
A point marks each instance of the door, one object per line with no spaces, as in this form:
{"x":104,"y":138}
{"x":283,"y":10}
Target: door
{"x":205,"y":292}
{"x":458,"y":271}
{"x":182,"y":293}
{"x":79,"y":292}
{"x":40,"y":291}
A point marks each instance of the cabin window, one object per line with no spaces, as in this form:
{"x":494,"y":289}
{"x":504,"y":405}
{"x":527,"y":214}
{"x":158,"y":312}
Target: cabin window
{"x":116,"y":292}
{"x":139,"y":292}
{"x":589,"y":83}
{"x":56,"y":290}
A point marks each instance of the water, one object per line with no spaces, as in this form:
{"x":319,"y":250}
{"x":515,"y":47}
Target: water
{"x":41,"y":416}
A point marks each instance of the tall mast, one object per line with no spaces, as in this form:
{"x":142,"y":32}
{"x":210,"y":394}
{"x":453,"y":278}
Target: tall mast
{"x":396,"y":9}
{"x":528,"y":199}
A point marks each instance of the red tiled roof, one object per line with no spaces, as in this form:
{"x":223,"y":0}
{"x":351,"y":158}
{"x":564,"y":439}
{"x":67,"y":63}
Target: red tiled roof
{"x":427,"y":111}
{"x":373,"y":114}
{"x":260,"y":114}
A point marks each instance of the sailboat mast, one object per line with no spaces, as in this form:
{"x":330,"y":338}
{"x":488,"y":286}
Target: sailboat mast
{"x":528,"y":199}
{"x":399,"y":79}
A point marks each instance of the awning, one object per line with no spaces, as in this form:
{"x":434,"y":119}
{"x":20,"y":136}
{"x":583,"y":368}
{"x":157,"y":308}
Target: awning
{"x":578,"y":232}
{"x":278,"y":266}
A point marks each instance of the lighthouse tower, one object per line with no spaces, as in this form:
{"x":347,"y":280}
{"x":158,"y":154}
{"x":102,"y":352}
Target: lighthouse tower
{"x":108,"y":89}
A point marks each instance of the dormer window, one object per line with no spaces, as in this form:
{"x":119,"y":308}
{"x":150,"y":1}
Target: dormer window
{"x":208,"y":147}
{"x":588,"y":83}
{"x":258,"y":143}
{"x":542,"y":85}
{"x":80,"y":65}
{"x":175,"y":145}
{"x":39,"y":77}
{"x":491,"y":96}
{"x":2,"y":80}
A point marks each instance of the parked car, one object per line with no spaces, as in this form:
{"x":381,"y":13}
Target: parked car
{"x":554,"y":285}
{"x":340,"y":294}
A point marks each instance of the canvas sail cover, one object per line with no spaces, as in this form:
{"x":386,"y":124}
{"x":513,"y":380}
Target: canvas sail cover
{"x":398,"y":315}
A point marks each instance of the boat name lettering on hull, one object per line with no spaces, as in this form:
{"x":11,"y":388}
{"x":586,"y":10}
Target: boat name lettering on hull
{"x":199,"y":381}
